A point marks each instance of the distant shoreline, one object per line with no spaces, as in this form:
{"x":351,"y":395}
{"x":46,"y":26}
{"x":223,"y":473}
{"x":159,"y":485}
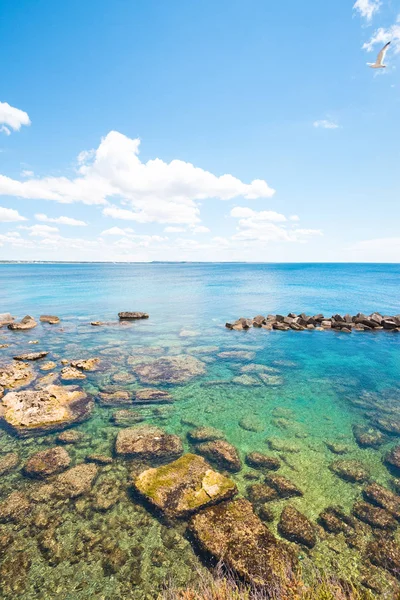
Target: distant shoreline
{"x":179,"y":262}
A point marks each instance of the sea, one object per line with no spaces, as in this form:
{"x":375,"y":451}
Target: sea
{"x":294,"y":395}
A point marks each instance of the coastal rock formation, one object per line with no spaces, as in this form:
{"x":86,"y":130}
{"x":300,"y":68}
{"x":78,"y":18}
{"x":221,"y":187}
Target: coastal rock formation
{"x":51,"y":319}
{"x":132,"y":315}
{"x":232,"y":533}
{"x":31,"y":356}
{"x":170,"y":369}
{"x":381,"y":496}
{"x":147,"y":442}
{"x":295,"y":527}
{"x":373,"y":515}
{"x":302,"y":322}
{"x":26,"y":323}
{"x":204,"y":434}
{"x":184,"y":486}
{"x":152,"y":396}
{"x":71,"y":374}
{"x":350,"y":470}
{"x":368,"y":437}
{"x":222,"y":453}
{"x":5,"y":319}
{"x":392,"y":458}
{"x":8,"y":462}
{"x":89,"y":364}
{"x":35,"y":412}
{"x":16,"y":375}
{"x":47,"y":462}
{"x":258,"y":460}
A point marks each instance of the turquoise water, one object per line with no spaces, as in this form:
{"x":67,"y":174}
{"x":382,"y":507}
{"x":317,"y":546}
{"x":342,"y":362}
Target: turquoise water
{"x":322,"y":384}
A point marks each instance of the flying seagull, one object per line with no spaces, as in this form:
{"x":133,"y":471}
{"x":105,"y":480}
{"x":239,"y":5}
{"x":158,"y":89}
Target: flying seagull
{"x":378,"y":64}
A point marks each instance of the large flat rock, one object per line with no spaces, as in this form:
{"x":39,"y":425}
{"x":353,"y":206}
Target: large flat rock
{"x":184,"y":486}
{"x":232,"y":533}
{"x":148,"y":442}
{"x":16,"y":375}
{"x":169,"y":369}
{"x":34,"y":412}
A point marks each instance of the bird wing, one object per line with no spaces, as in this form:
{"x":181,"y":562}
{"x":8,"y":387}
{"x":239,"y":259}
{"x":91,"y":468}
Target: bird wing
{"x":382,"y":53}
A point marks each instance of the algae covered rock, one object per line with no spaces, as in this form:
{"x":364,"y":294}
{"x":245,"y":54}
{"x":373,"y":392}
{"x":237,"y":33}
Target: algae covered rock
{"x":334,"y":520}
{"x":70,"y":437}
{"x":295,"y":527}
{"x":234,"y":534}
{"x":368,"y":437}
{"x":204,"y":434}
{"x":258,"y":460}
{"x":392,"y":458}
{"x":385,"y":553}
{"x":14,"y":507}
{"x":350,"y":470}
{"x":76,"y":481}
{"x":8,"y":462}
{"x":118,"y":398}
{"x":184,"y":486}
{"x":35,"y":412}
{"x":381,"y":496}
{"x":89,"y":364}
{"x":125,"y":418}
{"x":16,"y":375}
{"x":47,"y":462}
{"x":284,"y":487}
{"x":222,"y":453}
{"x":152,"y":396}
{"x":170,"y":369}
{"x":148,"y":442}
{"x":377,"y":517}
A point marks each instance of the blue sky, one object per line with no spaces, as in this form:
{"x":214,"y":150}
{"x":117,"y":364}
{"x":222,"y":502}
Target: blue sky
{"x":184,"y":130}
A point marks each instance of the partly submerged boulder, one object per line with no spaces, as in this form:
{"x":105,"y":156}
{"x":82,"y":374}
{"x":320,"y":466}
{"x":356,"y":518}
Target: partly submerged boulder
{"x":31,"y":356}
{"x":184,"y":486}
{"x":16,"y":375}
{"x":221,"y":453}
{"x":47,"y":462}
{"x":232,"y":533}
{"x":51,"y":319}
{"x":132,"y":315}
{"x":88,"y":364}
{"x":170,"y":369}
{"x":148,"y":442}
{"x":350,"y":470}
{"x":34,"y":412}
{"x":71,"y":374}
{"x":295,"y":527}
{"x":27,"y":322}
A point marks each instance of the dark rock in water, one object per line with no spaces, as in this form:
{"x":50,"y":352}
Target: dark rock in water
{"x":31,"y":356}
{"x":385,"y":553}
{"x":295,"y":527}
{"x":374,"y":516}
{"x":76,"y":481}
{"x":257,"y":460}
{"x":152,"y":396}
{"x":284,"y":487}
{"x":205,"y":434}
{"x":232,"y":533}
{"x":124,"y":418}
{"x":261,"y":493}
{"x":14,"y":507}
{"x":8,"y":462}
{"x":184,"y":486}
{"x":368,"y":437}
{"x":99,"y":459}
{"x":170,"y":369}
{"x":334,"y":520}
{"x":69,"y":437}
{"x":47,"y":462}
{"x":381,"y":496}
{"x":25,"y":323}
{"x":337,"y":447}
{"x":148,"y":442}
{"x":265,"y":513}
{"x":389,"y":323}
{"x":133,"y":315}
{"x":35,"y":412}
{"x":392,"y":458}
{"x":119,"y":398}
{"x":350,"y":470}
{"x":51,"y":319}
{"x":222,"y":453}
{"x":259,"y":320}
{"x":388,"y":425}
{"x":16,"y":375}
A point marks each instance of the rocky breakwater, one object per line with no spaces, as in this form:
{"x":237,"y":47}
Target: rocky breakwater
{"x":34,"y":412}
{"x":301,"y":322}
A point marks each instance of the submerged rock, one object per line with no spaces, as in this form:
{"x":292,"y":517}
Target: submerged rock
{"x":170,"y":369}
{"x":47,"y":462}
{"x":392,"y":458}
{"x":119,"y":398}
{"x":350,"y":470}
{"x":132,"y":315}
{"x":152,"y":396}
{"x":222,"y":453}
{"x":259,"y":493}
{"x":99,"y":459}
{"x":284,"y":487}
{"x":76,"y":481}
{"x":258,"y":460}
{"x":381,"y":496}
{"x":337,"y":447}
{"x":124,"y":418}
{"x":89,"y":364}
{"x":8,"y":462}
{"x":247,"y":380}
{"x":184,"y":486}
{"x":374,"y":516}
{"x":71,"y":374}
{"x":148,"y":442}
{"x":295,"y":527}
{"x":205,"y":434}
{"x":368,"y":437}
{"x":31,"y":356}
{"x":14,"y":507}
{"x":35,"y":412}
{"x":281,"y":445}
{"x":48,"y":366}
{"x":70,"y":437}
{"x":51,"y":319}
{"x":385,"y":553}
{"x":251,"y":423}
{"x":16,"y":375}
{"x":233,"y":533}
{"x":237,"y":355}
{"x":27,"y":322}
{"x":334,"y":520}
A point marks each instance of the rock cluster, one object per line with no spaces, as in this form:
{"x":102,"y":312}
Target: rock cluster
{"x":27,"y":322}
{"x":301,"y":322}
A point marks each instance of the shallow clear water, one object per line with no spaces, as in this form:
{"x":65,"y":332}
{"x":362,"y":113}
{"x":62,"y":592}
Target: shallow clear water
{"x":320,"y":378}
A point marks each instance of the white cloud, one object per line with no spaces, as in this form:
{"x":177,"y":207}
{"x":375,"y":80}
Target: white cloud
{"x":27,"y":173}
{"x":381,"y":36}
{"x":263,"y":215}
{"x":60,"y":220}
{"x":117,"y":231}
{"x":367,"y":8}
{"x":172,"y":229}
{"x":12,"y":118}
{"x":201,"y":229}
{"x":325,"y":124}
{"x":154,"y":191}
{"x":8,"y":215}
{"x":40,"y":230}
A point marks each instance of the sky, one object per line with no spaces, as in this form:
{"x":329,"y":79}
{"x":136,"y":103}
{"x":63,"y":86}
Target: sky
{"x":140,"y":130}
